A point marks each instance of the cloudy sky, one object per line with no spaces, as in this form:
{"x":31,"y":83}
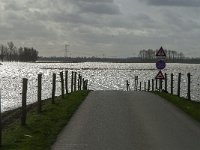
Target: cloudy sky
{"x":114,"y":28}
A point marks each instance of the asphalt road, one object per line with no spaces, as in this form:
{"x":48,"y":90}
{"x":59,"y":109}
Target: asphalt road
{"x":118,"y":120}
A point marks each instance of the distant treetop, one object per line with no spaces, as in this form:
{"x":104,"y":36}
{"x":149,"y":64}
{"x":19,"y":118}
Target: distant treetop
{"x":10,"y":52}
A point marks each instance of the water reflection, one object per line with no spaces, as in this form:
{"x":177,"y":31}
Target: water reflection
{"x":102,"y":76}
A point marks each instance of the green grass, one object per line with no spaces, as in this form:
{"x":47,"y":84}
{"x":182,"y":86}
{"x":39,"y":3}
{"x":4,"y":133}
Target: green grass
{"x":190,"y":107}
{"x":41,"y":130}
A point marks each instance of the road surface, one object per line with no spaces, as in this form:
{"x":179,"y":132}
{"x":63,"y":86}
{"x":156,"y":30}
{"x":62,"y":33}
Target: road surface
{"x":119,"y":120}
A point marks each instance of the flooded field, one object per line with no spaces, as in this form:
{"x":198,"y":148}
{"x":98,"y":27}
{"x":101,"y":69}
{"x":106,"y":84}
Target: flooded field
{"x":101,"y":76}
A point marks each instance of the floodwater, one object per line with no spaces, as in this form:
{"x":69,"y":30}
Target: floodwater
{"x":101,"y":76}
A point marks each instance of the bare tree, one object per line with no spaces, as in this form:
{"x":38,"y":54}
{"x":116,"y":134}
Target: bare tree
{"x":12,"y":51}
{"x":3,"y":50}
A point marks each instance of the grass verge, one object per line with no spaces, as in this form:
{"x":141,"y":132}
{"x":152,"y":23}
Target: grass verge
{"x":42,"y":129}
{"x":190,"y":107}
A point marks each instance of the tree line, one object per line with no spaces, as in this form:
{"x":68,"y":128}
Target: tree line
{"x":10,"y":52}
{"x":54,"y":59}
{"x":170,"y":54}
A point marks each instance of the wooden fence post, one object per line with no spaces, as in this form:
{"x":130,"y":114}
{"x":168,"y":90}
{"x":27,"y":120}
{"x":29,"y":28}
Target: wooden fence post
{"x":136,"y":83}
{"x":72,"y":81}
{"x":140,"y":86}
{"x":156,"y":84}
{"x":165,"y":82}
{"x":179,"y":84}
{"x":53,"y":88}
{"x":149,"y":84}
{"x":75,"y":77}
{"x":62,"y":84}
{"x":152,"y":84}
{"x":39,"y":93}
{"x":66,"y":81}
{"x":78,"y":82}
{"x":161,"y":83}
{"x":81,"y":82}
{"x":24,"y":96}
{"x":127,"y":85}
{"x":172,"y":83}
{"x":86,"y":85}
{"x":0,"y":122}
{"x":189,"y":86}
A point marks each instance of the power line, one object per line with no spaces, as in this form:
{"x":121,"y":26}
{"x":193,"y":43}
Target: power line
{"x":66,"y":50}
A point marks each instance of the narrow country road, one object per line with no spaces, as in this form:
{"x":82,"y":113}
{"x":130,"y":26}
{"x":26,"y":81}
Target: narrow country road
{"x":118,"y":120}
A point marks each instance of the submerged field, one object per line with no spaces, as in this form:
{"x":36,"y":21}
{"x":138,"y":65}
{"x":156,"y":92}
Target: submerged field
{"x":101,"y":76}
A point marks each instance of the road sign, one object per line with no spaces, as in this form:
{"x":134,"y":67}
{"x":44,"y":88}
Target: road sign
{"x":160,"y":75}
{"x":160,"y":64}
{"x":161,"y":52}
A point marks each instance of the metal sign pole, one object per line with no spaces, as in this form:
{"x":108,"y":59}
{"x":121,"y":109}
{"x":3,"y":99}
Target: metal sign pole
{"x":160,"y":65}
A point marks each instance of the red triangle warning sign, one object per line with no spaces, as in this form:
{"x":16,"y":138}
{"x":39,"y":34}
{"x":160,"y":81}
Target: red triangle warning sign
{"x":160,"y":75}
{"x":161,"y":52}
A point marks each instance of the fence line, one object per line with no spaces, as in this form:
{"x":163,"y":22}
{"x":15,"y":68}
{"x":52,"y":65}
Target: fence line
{"x":150,"y":85}
{"x":64,"y":90}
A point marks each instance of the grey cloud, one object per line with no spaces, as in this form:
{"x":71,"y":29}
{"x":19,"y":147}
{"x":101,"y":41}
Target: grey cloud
{"x":74,"y":18}
{"x":136,"y":21}
{"x":100,"y":1}
{"x":100,"y":8}
{"x":90,"y":25}
{"x":26,"y":31}
{"x":113,"y":21}
{"x":185,"y":3}
{"x":179,"y":22}
{"x":14,"y":6}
